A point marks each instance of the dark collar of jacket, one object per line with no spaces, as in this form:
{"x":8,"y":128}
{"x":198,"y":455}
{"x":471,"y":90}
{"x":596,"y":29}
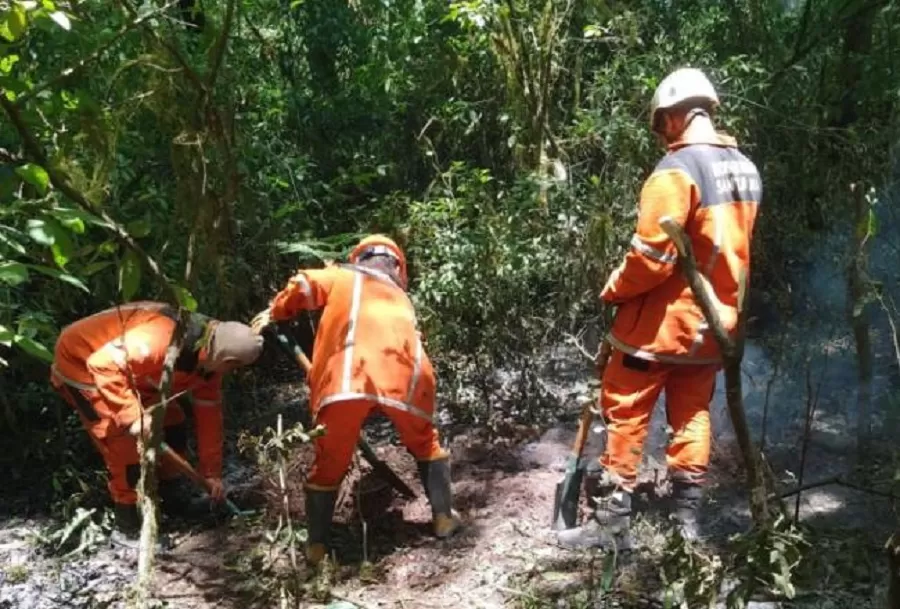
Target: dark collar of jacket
{"x":720,"y":139}
{"x":381,"y":276}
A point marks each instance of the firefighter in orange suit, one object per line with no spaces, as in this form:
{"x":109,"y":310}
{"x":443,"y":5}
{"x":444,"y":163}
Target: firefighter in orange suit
{"x":107,"y":367}
{"x":660,"y":338}
{"x":367,"y":355}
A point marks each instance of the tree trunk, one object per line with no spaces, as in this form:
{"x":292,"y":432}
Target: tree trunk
{"x":149,"y":451}
{"x":893,"y":555}
{"x":857,"y":291}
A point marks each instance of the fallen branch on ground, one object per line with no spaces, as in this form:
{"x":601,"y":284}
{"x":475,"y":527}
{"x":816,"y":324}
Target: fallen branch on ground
{"x":836,"y":480}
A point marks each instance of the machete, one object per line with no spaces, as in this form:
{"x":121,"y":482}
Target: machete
{"x":565,"y":503}
{"x":380,"y":467}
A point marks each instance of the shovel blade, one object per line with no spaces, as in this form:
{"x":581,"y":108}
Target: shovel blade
{"x":565,"y":503}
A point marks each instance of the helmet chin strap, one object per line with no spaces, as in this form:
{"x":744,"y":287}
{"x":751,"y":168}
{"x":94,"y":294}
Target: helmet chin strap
{"x":688,"y":119}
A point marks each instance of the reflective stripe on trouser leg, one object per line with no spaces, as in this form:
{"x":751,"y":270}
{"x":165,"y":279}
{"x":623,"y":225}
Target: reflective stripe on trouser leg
{"x":689,"y":390}
{"x":629,"y":393}
{"x":334,"y":450}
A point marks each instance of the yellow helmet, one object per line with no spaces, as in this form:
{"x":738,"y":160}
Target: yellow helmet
{"x":379,"y":244}
{"x":680,"y":86}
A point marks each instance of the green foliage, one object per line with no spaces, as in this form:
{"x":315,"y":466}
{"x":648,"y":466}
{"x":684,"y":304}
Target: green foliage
{"x":764,"y":560}
{"x":503,"y":143}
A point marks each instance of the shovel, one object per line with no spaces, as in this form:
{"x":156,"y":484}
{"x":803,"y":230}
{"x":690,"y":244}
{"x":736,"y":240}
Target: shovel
{"x":195,"y":477}
{"x":565,"y":503}
{"x":380,"y":467}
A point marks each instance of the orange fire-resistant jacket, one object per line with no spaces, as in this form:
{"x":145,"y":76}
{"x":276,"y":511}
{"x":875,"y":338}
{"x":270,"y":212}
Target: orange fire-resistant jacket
{"x":367,"y":345}
{"x":119,"y":353}
{"x":713,"y":191}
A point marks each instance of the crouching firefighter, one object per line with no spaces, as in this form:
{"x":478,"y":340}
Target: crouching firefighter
{"x":660,"y":337}
{"x":107,"y":367}
{"x":367,"y":356}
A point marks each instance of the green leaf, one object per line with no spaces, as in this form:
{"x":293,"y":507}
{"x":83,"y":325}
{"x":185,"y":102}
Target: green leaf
{"x":95,"y":267}
{"x":66,"y":277}
{"x":7,"y":62}
{"x":185,"y":298}
{"x":129,"y":275}
{"x":6,"y":336}
{"x":34,"y":175}
{"x":50,"y":232}
{"x":61,"y":19}
{"x":73,"y":221}
{"x":16,"y":22}
{"x":72,"y":218}
{"x":40,"y":231}
{"x":139,"y":228}
{"x":62,"y":249}
{"x":8,"y":239}
{"x":32,"y":347}
{"x":13,"y":273}
{"x":609,"y":571}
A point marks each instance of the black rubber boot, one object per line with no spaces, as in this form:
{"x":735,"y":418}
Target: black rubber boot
{"x":609,"y":525}
{"x":686,"y":498}
{"x":128,"y":526}
{"x":319,"y":511}
{"x":127,"y":533}
{"x":435,"y":476}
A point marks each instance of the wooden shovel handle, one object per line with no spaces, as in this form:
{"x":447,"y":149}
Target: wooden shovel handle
{"x":295,"y":350}
{"x":185,"y":468}
{"x":584,"y":424}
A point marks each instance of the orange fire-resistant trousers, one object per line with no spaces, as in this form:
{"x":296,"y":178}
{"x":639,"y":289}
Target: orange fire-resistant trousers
{"x":119,"y":448}
{"x":630,"y":389}
{"x":343,"y":421}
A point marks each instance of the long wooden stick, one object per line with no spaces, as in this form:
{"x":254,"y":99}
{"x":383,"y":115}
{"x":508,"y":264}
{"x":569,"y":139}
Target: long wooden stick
{"x":732,"y":353}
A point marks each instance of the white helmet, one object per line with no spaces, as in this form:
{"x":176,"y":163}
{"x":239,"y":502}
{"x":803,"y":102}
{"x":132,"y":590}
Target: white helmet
{"x":679,"y":86}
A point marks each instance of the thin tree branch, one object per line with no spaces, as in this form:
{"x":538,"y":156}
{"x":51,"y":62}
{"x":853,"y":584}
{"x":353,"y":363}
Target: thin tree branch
{"x":98,"y":52}
{"x":61,"y":182}
{"x":837,"y":481}
{"x":221,"y":45}
{"x":834,"y":25}
{"x":172,"y":49}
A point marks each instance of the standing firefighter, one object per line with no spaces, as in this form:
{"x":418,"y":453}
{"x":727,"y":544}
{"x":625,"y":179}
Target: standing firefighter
{"x":660,"y":336}
{"x":108,"y":367}
{"x":367,"y":356}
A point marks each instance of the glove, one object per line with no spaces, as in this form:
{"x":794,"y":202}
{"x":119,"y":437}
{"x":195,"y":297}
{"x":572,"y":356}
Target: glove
{"x":216,"y":489}
{"x":261,"y":320}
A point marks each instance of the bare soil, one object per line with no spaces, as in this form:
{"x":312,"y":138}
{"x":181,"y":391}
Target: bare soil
{"x":504,"y":480}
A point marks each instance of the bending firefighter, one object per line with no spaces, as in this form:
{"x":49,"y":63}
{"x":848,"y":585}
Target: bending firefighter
{"x":367,"y":356}
{"x":660,"y":338}
{"x":108,"y":367}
